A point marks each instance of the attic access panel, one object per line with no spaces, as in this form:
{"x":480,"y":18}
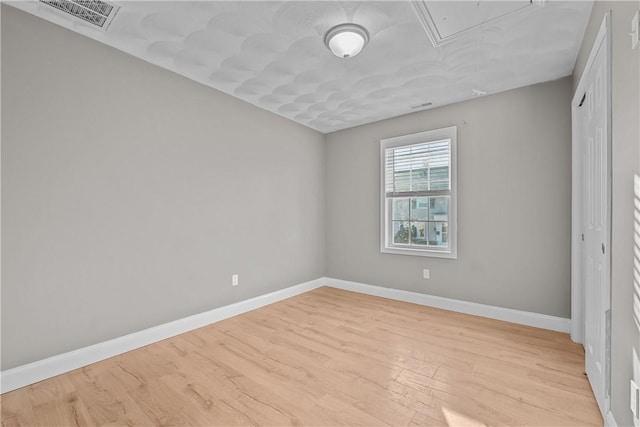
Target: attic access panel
{"x":446,"y":20}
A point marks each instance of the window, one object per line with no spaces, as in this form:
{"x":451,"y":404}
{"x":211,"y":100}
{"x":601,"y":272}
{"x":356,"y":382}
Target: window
{"x":418,"y":203}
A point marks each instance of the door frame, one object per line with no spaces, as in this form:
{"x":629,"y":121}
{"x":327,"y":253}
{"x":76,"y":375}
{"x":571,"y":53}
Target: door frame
{"x":577,"y":145}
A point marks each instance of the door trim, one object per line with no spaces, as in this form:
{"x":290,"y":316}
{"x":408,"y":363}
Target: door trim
{"x":577,"y":285}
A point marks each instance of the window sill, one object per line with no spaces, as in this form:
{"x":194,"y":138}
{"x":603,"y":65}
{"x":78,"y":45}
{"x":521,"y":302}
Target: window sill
{"x":420,"y":252}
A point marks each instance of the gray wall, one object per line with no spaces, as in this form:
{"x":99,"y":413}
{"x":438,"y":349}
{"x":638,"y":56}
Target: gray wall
{"x":130,"y":195}
{"x":514,"y":192}
{"x":625,"y":160}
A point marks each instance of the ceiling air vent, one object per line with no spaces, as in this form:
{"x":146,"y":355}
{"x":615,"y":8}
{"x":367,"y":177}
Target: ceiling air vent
{"x":95,"y":12}
{"x":424,"y":105}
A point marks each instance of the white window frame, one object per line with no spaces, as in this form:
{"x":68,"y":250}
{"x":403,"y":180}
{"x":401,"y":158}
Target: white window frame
{"x":386,"y":243}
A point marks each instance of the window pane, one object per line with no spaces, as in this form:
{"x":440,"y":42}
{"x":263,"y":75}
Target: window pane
{"x":419,"y":233}
{"x":439,"y":234}
{"x":402,"y":181}
{"x":420,"y":167}
{"x":439,"y":178}
{"x":419,"y":208}
{"x":400,"y":209}
{"x":400,"y":232}
{"x":439,"y":208}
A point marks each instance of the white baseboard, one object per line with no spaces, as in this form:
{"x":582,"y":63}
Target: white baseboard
{"x":543,"y":321}
{"x":30,"y":373}
{"x":609,"y":421}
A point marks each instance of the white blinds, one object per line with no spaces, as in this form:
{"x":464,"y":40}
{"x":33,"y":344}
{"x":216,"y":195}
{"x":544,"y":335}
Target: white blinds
{"x":419,"y":169}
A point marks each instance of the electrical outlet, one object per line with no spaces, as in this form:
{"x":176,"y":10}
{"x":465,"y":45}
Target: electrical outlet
{"x":234,"y":280}
{"x":425,"y":273}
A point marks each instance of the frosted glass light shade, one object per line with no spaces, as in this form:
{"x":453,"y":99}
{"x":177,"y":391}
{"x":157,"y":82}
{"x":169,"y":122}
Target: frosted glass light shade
{"x":346,"y":40}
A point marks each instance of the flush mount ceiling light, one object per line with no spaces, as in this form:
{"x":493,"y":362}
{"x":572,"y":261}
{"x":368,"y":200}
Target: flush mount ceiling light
{"x":346,"y":40}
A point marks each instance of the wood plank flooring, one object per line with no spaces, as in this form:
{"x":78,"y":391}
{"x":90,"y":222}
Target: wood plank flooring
{"x":327,"y":357}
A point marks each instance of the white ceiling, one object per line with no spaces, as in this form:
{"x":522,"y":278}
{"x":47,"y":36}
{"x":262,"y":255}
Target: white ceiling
{"x":272,"y":54}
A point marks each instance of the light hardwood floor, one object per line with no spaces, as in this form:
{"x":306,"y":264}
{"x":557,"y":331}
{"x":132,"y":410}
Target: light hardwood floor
{"x":327,"y":357}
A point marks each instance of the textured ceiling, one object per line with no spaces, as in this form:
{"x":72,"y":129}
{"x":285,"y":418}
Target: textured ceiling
{"x":271,"y":54}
